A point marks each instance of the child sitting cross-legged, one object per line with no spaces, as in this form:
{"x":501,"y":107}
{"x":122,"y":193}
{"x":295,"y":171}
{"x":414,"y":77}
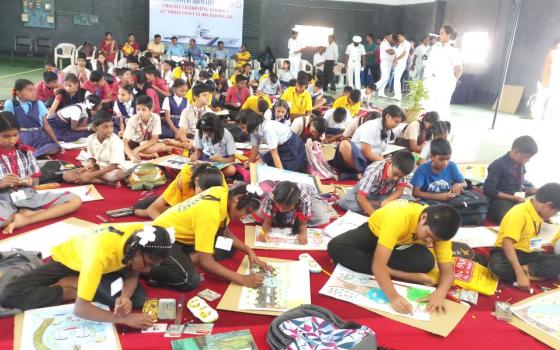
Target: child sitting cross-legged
{"x":107,"y":149}
{"x":517,"y":257}
{"x":383,"y":182}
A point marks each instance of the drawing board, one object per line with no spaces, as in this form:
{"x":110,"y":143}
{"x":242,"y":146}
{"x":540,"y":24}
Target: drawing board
{"x":282,"y":239}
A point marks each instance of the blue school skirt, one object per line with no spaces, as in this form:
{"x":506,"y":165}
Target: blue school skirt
{"x":360,"y":162}
{"x":64,"y":132}
{"x":292,"y":154}
{"x":39,"y":140}
{"x":166,"y":131}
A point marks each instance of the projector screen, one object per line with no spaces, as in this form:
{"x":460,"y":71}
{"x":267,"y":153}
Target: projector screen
{"x":206,"y":21}
{"x":311,"y":36}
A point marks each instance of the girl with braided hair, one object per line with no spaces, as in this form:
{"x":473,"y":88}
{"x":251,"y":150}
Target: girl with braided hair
{"x":203,"y":238}
{"x":102,"y":266}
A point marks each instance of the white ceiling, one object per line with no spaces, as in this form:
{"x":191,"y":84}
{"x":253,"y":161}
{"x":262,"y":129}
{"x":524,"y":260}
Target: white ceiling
{"x":390,"y":2}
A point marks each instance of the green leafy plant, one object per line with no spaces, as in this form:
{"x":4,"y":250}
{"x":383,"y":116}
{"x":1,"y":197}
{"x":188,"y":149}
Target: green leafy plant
{"x":417,"y":93}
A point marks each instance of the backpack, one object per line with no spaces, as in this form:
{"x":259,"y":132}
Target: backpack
{"x":52,"y":170}
{"x":13,"y":264}
{"x":471,"y":205}
{"x":237,"y":133}
{"x":145,"y":177}
{"x":310,"y":327}
{"x":316,"y":163}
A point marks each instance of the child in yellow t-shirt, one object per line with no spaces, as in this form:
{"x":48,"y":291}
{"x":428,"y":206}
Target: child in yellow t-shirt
{"x":394,"y":244}
{"x":190,"y":181}
{"x":516,"y":257}
{"x":202,"y":236}
{"x":298,"y":98}
{"x":350,"y":102}
{"x":103,"y":266}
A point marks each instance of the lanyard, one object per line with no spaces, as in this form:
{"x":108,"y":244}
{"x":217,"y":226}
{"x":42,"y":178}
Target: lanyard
{"x":537,"y":228}
{"x":144,"y":132}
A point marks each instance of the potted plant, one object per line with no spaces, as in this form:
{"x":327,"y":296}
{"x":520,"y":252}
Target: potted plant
{"x":416,"y":94}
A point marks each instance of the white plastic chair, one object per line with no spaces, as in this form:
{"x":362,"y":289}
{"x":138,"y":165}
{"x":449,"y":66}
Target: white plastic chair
{"x":92,"y":58}
{"x":67,"y":50}
{"x":306,"y":66}
{"x":279,"y":62}
{"x":341,"y":75}
{"x":256,"y":64}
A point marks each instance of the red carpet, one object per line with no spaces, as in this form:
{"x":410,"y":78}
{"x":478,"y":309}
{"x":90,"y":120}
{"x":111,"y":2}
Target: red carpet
{"x":479,"y":329}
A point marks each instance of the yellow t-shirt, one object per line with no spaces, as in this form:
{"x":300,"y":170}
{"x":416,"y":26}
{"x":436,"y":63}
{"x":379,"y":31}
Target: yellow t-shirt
{"x":241,"y":58}
{"x":344,"y":102}
{"x":395,"y":224}
{"x":299,"y":104}
{"x":94,"y":255}
{"x":173,"y":195}
{"x":253,"y":103}
{"x":556,"y":238}
{"x":521,"y":223}
{"x":198,"y":219}
{"x":264,"y":77}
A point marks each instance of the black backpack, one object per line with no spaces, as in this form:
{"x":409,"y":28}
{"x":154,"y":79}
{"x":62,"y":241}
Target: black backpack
{"x":316,"y":322}
{"x":52,"y":170}
{"x":471,"y":205}
{"x":13,"y":264}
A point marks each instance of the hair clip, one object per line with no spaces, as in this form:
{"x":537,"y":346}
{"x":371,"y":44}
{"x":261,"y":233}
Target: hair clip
{"x":147,"y":235}
{"x":254,"y":189}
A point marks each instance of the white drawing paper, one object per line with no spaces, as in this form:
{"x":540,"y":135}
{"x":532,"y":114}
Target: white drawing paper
{"x":282,"y":238}
{"x":475,"y":237}
{"x":345,"y":223}
{"x":363,"y":290}
{"x":87,"y":193}
{"x":265,"y":172}
{"x":285,"y":287}
{"x":58,"y":328}
{"x":542,"y":313}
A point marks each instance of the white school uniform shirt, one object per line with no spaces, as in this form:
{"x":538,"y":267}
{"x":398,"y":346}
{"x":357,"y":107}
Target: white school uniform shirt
{"x":178,"y":100}
{"x":269,"y":88}
{"x":294,"y":45}
{"x":189,"y":117}
{"x":370,"y":133}
{"x":317,"y":59}
{"x":331,"y":52}
{"x":225,"y":147}
{"x":385,"y":45}
{"x":110,"y":151}
{"x":138,"y":131}
{"x":73,"y":112}
{"x":272,"y":133}
{"x":127,"y":105}
{"x":403,"y":47}
{"x":168,"y":77}
{"x":331,"y":123}
{"x":442,"y":61}
{"x":355,"y":53}
{"x":285,"y":75}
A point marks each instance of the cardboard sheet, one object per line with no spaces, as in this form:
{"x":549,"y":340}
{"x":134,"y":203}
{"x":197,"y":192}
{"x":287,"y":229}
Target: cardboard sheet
{"x":532,"y":330}
{"x":45,"y":238}
{"x":177,"y":162}
{"x":87,"y":193}
{"x":232,"y":295}
{"x":286,"y":175}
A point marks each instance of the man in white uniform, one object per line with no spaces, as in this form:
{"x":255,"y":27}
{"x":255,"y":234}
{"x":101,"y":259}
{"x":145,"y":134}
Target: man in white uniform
{"x":294,"y":53}
{"x":354,"y":60}
{"x":441,"y":73}
{"x":387,"y":55}
{"x":401,"y":57}
{"x":418,"y":64}
{"x":330,"y":56}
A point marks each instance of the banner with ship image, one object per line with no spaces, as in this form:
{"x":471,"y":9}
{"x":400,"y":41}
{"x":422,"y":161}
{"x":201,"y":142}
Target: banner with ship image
{"x":206,"y":21}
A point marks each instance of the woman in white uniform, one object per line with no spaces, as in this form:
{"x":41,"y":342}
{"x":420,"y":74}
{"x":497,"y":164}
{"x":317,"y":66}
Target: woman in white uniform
{"x":441,"y":73}
{"x":551,"y":81}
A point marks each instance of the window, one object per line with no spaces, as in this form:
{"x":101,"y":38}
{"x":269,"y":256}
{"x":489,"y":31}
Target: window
{"x":475,"y":47}
{"x":311,"y":36}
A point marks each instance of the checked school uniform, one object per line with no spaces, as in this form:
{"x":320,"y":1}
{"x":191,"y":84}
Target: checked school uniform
{"x":309,"y":208}
{"x":393,"y":227}
{"x":522,"y":224}
{"x":369,"y":133}
{"x":21,"y":162}
{"x":197,"y":222}
{"x":289,"y":145}
{"x":126,"y":110}
{"x":97,"y":260}
{"x":29,"y":115}
{"x":375,"y":185}
{"x":61,"y":122}
{"x":175,"y":105}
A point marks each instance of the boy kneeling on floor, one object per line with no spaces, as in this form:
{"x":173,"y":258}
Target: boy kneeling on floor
{"x":394,"y":244}
{"x":517,"y":257}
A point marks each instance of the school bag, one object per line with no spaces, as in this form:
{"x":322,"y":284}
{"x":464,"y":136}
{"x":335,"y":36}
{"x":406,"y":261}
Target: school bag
{"x":237,"y":133}
{"x":145,"y":177}
{"x":316,"y":163}
{"x":13,"y":264}
{"x":471,"y":205}
{"x":310,"y":327}
{"x":52,"y":170}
